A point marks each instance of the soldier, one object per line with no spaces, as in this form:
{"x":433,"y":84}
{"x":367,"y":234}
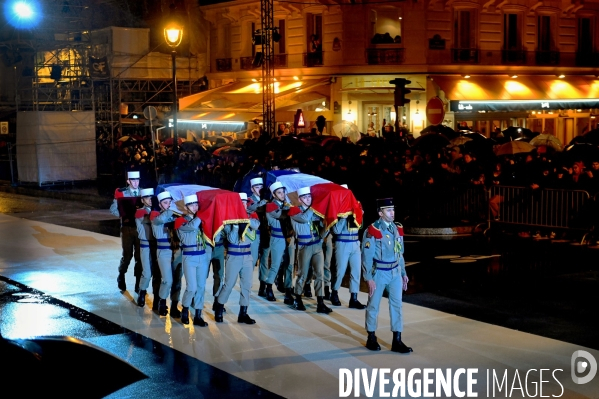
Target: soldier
{"x":256,"y":204}
{"x":253,"y":233}
{"x":216,"y":258}
{"x":239,"y":264}
{"x":347,"y":250}
{"x":147,"y":242}
{"x":129,"y":238}
{"x":195,"y":261}
{"x":327,"y":250}
{"x":169,"y":257}
{"x":309,"y":230}
{"x":383,"y":267}
{"x":276,"y":214}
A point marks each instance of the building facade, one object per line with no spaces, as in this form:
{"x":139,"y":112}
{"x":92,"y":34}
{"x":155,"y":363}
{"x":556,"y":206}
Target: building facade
{"x":494,"y":64}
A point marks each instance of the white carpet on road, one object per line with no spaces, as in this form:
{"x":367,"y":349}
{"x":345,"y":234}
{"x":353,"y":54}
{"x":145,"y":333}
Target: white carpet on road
{"x":294,"y":354}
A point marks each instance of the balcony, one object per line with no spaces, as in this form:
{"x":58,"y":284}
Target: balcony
{"x":247,"y":63}
{"x":547,"y":57}
{"x":315,"y":59}
{"x":464,"y":55}
{"x":517,"y":57}
{"x":384,"y":56}
{"x":224,"y":64}
{"x":280,"y":60}
{"x":587,"y":58}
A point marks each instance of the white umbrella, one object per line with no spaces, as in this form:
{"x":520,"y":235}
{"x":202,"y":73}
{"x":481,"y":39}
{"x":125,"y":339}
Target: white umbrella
{"x":347,"y":129}
{"x":547,"y":140}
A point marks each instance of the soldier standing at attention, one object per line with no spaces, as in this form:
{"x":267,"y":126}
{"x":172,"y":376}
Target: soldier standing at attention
{"x":309,"y":230}
{"x":239,"y":264}
{"x":256,"y":204}
{"x":146,"y":241}
{"x":384,"y":268}
{"x":129,"y":239}
{"x":169,"y":257}
{"x":276,"y":214}
{"x":195,"y":261}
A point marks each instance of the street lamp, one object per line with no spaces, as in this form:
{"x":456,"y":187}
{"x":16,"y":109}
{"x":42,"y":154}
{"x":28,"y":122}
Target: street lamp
{"x":173,"y":34}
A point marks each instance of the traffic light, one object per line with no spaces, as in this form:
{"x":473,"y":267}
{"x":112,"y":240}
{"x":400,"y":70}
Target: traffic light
{"x":401,"y":91}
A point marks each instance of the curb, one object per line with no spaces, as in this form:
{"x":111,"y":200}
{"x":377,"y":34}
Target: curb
{"x":93,"y":200}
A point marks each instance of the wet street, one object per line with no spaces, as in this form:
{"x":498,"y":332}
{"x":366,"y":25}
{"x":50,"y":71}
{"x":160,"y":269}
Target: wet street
{"x":544,"y":287}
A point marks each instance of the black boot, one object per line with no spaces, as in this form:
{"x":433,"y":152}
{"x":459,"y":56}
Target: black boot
{"x":372,"y":343}
{"x":335,"y":298}
{"x":288,"y":296}
{"x":141,"y":299}
{"x":244,"y":317}
{"x":261,"y":290}
{"x":298,"y":304}
{"x":354,"y":303}
{"x":399,"y":346}
{"x":327,"y":293}
{"x":218,"y":312}
{"x":270,"y":296}
{"x":175,"y":312}
{"x":155,"y":302}
{"x":321,"y":307}
{"x":214,"y":305}
{"x":162,"y":308}
{"x":120,"y":280}
{"x":137,"y":280}
{"x":280,"y":284}
{"x":197,"y":320}
{"x":185,"y":315}
{"x":307,"y":290}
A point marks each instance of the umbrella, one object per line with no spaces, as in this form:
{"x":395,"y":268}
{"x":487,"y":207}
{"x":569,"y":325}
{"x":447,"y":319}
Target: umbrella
{"x":431,"y":141}
{"x":475,"y":136}
{"x":445,"y":130}
{"x":169,"y":141}
{"x":581,"y":152}
{"x":514,"y":132}
{"x":591,"y":136}
{"x":216,"y":139}
{"x":514,"y":147}
{"x":547,"y":140}
{"x":189,"y":146}
{"x":460,"y":140}
{"x":347,"y":129}
{"x":525,"y":139}
{"x":225,"y":150}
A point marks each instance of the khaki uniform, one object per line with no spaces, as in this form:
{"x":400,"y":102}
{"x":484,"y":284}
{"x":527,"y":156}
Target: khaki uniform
{"x":308,"y":228}
{"x":129,"y":237}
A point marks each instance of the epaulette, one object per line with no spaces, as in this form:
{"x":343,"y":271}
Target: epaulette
{"x":180,"y":221}
{"x":399,"y":229}
{"x":254,"y":215}
{"x":271,"y":207}
{"x":374,"y":232}
{"x":118,"y":193}
{"x":154,"y":215}
{"x":250,"y":201}
{"x":294,"y":210}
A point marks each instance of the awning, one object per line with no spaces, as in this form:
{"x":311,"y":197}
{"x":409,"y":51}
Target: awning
{"x":525,"y":93}
{"x":242,"y":101}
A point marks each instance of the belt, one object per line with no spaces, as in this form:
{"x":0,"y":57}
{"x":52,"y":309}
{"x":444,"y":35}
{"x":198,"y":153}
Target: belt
{"x":202,"y":252}
{"x":163,"y":240}
{"x":395,"y":263}
{"x":344,"y":240}
{"x":307,"y":244}
{"x":236,"y":253}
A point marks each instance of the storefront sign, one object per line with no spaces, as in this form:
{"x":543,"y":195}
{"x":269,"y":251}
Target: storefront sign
{"x":521,"y":105}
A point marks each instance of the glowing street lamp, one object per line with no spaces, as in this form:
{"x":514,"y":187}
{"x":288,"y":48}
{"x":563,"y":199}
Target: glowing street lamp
{"x":23,"y":14}
{"x":173,"y":35}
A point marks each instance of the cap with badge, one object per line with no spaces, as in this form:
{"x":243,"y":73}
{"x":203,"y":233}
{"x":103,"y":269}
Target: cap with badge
{"x":146,"y":192}
{"x":164,"y":195}
{"x":275,"y":186}
{"x":303,"y":191}
{"x":133,"y":174}
{"x":190,"y":199}
{"x":384,"y":203}
{"x":256,"y":181}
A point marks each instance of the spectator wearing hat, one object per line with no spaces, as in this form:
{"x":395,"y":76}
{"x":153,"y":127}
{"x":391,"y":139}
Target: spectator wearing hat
{"x":278,"y":221}
{"x":195,"y":261}
{"x":129,"y":238}
{"x":169,"y":257}
{"x":383,"y":268}
{"x":309,"y":230}
{"x":256,"y":204}
{"x":239,"y":264}
{"x":147,"y":242}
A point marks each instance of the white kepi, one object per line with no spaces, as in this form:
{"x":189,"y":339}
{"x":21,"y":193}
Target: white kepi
{"x":303,"y":191}
{"x":243,"y":196}
{"x":275,"y":186}
{"x":146,"y":192}
{"x":255,"y":181}
{"x":190,"y":199}
{"x":133,"y":174}
{"x":164,"y":195}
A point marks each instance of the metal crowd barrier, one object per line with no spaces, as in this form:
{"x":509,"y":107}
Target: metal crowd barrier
{"x":551,"y":208}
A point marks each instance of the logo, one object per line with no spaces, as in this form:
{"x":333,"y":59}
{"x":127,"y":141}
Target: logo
{"x":544,"y":105}
{"x":204,"y":126}
{"x":462,"y":106}
{"x":579,"y":366}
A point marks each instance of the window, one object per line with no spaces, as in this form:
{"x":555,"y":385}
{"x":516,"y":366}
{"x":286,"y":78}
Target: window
{"x":511,"y":32}
{"x":314,"y":30}
{"x":280,"y":46}
{"x":386,"y":25}
{"x":585,"y":35}
{"x":465,"y":29}
{"x":544,"y":34}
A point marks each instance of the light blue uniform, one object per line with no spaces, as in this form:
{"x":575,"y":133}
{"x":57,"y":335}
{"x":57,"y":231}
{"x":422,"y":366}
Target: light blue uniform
{"x":147,"y":244}
{"x":347,"y":250}
{"x":258,"y":251}
{"x":168,"y":262}
{"x":195,"y":262}
{"x":278,"y":222}
{"x":383,"y":262}
{"x":308,"y":228}
{"x":216,"y":258}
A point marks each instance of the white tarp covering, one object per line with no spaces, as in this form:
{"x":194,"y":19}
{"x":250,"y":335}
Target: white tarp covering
{"x":56,"y":146}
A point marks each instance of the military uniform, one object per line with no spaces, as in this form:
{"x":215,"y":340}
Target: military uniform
{"x":147,"y":245}
{"x":129,"y":238}
{"x":347,"y":250}
{"x":260,"y":246}
{"x":169,"y":258}
{"x":195,"y":265}
{"x":383,"y":263}
{"x":239,"y":264}
{"x":309,"y":229}
{"x":327,"y":250}
{"x":216,"y":258}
